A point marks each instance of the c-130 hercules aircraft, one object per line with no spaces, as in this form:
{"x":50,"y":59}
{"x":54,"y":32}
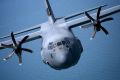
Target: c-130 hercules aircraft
{"x":61,"y":49}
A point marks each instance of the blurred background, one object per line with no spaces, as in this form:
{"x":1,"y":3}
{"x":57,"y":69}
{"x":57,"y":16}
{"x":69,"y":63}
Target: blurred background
{"x":100,"y":59}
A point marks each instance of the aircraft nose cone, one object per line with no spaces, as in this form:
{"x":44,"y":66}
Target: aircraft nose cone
{"x":61,"y":60}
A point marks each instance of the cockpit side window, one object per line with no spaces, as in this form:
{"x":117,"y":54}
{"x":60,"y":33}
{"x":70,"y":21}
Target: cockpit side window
{"x":50,"y":46}
{"x":67,"y":41}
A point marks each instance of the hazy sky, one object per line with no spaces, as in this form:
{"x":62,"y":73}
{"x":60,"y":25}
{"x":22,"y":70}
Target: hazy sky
{"x":100,"y":59}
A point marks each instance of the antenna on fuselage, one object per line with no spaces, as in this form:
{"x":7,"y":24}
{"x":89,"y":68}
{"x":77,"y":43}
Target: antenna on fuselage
{"x":49,"y":12}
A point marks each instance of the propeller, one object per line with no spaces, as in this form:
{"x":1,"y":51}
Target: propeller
{"x":17,"y":48}
{"x":97,"y":22}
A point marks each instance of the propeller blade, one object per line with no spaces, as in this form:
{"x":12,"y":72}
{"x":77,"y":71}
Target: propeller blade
{"x":6,"y":46}
{"x":13,"y":39}
{"x":89,"y":16}
{"x":106,"y":19}
{"x":94,"y":33}
{"x":28,"y":50}
{"x":23,"y":40}
{"x":17,"y":48}
{"x":98,"y":13}
{"x":104,"y":30}
{"x":20,"y":59}
{"x":97,"y":23}
{"x":9,"y":56}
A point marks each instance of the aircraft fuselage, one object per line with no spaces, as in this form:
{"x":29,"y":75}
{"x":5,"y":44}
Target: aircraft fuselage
{"x":61,"y":49}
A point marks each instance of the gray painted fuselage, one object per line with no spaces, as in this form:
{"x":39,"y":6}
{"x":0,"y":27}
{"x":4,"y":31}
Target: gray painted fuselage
{"x":61,"y":49}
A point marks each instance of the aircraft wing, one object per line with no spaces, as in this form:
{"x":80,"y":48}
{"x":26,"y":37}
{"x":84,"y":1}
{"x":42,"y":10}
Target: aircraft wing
{"x":84,"y":21}
{"x":32,"y":36}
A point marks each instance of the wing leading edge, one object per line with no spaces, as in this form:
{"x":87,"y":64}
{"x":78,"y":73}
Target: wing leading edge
{"x":84,"y":21}
{"x":31,"y":36}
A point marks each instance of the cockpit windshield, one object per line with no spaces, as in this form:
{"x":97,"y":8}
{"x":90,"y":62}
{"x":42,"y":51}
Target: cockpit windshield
{"x":52,"y":45}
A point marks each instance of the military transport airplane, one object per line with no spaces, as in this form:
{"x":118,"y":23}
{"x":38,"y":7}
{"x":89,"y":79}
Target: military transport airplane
{"x":61,"y":49}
